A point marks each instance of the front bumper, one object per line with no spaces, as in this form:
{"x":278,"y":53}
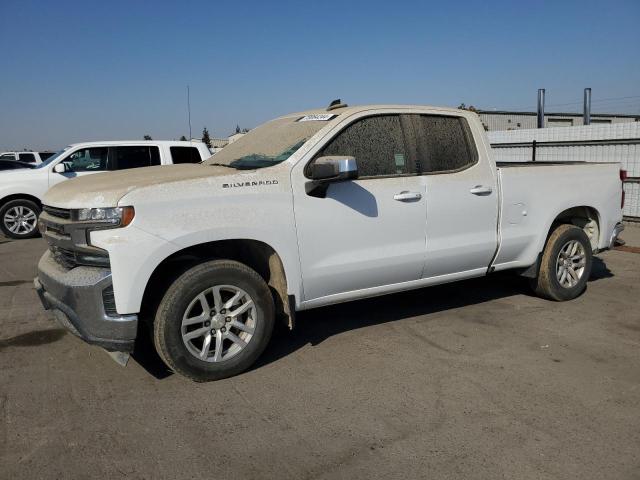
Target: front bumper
{"x":76,"y":299}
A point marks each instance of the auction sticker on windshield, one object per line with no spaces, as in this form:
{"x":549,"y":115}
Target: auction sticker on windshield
{"x":318,"y":117}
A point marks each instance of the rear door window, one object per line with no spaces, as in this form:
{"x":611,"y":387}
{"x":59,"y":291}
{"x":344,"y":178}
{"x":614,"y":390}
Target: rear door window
{"x":8,"y":156}
{"x":27,"y":157}
{"x":185,"y":155}
{"x":135,"y":157}
{"x":443,"y":143}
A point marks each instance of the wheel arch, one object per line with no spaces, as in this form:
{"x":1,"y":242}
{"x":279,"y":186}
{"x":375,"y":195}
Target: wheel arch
{"x":20,"y":196}
{"x":584,"y":216}
{"x":256,"y":254}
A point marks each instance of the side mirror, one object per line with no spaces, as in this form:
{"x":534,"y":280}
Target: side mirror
{"x":61,"y":167}
{"x":334,"y":169}
{"x":326,"y":170}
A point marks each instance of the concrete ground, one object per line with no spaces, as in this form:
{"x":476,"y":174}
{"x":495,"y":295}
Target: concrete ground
{"x":475,"y":380}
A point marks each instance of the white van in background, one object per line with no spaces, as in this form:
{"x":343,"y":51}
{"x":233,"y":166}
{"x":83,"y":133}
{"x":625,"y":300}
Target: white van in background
{"x":21,"y":190}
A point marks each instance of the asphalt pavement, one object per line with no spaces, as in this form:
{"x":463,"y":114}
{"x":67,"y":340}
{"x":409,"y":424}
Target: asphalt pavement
{"x":473,"y":380}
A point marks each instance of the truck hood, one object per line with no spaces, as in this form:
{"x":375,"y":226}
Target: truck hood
{"x":106,"y":189}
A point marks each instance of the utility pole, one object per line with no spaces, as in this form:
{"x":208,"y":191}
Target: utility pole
{"x":189,"y":110}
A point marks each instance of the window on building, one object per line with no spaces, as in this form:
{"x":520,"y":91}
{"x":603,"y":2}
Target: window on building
{"x":444,"y":144}
{"x":377,"y":143}
{"x":185,"y":155}
{"x":601,"y":120}
{"x":560,"y":122}
{"x":136,"y":157}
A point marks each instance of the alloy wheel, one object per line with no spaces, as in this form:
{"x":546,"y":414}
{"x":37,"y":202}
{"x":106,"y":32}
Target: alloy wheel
{"x":20,"y":220}
{"x":570,"y":264}
{"x":219,"y":323}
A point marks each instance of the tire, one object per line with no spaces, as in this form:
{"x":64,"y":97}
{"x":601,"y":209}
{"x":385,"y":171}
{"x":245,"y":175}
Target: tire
{"x":555,"y":281}
{"x":182,"y":325}
{"x":19,"y":219}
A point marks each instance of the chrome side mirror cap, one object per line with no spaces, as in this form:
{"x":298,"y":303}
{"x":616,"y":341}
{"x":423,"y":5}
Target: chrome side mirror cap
{"x":334,"y":168}
{"x":327,"y":170}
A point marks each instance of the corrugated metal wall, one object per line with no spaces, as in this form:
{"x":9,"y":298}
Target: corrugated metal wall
{"x":522,"y":121}
{"x":618,"y":143}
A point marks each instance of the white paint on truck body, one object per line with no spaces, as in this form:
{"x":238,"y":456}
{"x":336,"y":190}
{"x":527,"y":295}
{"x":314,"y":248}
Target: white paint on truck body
{"x":358,"y":241}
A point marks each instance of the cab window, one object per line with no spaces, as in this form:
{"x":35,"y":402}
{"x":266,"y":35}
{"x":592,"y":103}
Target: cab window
{"x":378,"y":145}
{"x":443,"y":143}
{"x":135,"y":157}
{"x":27,"y":157}
{"x":88,"y":160}
{"x":185,"y":155}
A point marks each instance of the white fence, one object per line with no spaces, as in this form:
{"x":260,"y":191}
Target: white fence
{"x":593,"y":143}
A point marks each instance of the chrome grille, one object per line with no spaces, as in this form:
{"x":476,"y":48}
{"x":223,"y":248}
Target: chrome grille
{"x":57,"y":212}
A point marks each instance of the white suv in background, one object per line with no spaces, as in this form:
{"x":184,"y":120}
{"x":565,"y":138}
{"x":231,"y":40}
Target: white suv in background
{"x":21,"y":191}
{"x":27,"y":157}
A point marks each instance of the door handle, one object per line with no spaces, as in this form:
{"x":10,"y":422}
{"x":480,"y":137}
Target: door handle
{"x":407,"y":196}
{"x":481,"y":190}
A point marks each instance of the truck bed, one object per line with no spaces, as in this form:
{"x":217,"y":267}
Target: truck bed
{"x":531,"y":198}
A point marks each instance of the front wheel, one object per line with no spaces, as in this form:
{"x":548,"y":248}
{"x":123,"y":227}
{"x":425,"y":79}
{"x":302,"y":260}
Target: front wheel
{"x":19,"y":218}
{"x":566,"y":264}
{"x":214,"y":321}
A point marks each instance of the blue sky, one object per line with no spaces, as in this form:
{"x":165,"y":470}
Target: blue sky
{"x":75,"y":71}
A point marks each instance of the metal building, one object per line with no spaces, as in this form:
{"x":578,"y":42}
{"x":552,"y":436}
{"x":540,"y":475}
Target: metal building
{"x":505,"y":120}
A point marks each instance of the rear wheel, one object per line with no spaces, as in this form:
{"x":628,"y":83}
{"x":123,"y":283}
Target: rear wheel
{"x":19,"y":219}
{"x":214,"y":321}
{"x":566,"y":264}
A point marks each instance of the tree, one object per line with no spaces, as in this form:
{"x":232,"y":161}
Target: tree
{"x":183,"y":138}
{"x":148,"y":137}
{"x":205,"y":137}
{"x":473,"y":109}
{"x":470,"y":108}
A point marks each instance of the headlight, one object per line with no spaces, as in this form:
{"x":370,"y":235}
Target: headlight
{"x":117,"y":216}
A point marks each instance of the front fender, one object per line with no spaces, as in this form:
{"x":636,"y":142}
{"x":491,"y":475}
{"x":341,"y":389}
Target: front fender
{"x":34,"y":187}
{"x":135,"y":254}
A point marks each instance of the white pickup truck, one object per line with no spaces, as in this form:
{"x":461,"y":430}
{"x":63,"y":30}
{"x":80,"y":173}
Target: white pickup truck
{"x":311,"y":209}
{"x":21,"y":190}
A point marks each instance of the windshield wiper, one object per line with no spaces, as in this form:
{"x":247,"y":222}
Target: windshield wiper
{"x":221,"y":165}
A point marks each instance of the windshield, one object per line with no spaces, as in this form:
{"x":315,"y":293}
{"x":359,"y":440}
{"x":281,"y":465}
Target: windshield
{"x":267,"y":145}
{"x":52,"y":158}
